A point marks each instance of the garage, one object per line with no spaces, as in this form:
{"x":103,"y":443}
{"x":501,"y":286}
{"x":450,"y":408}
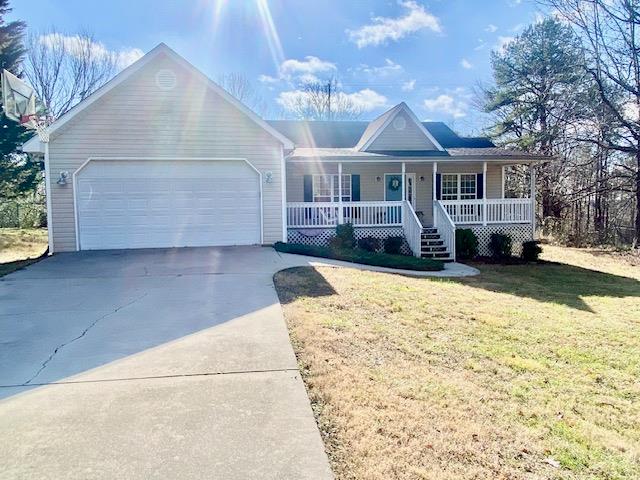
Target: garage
{"x":150,"y":203}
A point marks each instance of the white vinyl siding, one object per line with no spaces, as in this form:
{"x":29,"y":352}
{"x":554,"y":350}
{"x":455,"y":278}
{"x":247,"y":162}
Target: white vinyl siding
{"x":137,"y":119}
{"x":408,"y":138}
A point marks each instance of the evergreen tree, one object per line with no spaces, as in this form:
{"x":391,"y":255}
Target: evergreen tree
{"x":19,"y":174}
{"x":540,"y":85}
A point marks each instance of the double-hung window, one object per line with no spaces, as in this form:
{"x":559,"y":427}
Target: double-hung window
{"x":459,"y":186}
{"x":326,"y":188}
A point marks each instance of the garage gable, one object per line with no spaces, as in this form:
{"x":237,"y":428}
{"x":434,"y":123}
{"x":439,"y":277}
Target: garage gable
{"x":153,"y":85}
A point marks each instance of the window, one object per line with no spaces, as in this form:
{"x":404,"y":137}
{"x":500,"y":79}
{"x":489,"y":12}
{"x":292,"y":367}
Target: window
{"x":325,"y":188}
{"x":449,"y":187}
{"x":467,"y":187}
{"x":459,"y":186}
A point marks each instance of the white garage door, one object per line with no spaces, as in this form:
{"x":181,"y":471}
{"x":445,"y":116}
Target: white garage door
{"x":155,"y":204}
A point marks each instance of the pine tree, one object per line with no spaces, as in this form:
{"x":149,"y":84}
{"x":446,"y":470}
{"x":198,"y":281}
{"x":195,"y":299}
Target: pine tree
{"x":540,"y":86}
{"x":19,"y":174}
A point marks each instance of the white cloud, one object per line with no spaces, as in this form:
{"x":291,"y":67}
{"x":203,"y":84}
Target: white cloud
{"x":466,"y":64}
{"x":447,"y":104}
{"x":383,"y":29}
{"x":308,"y":78}
{"x":310,"y":65}
{"x":503,"y":42}
{"x":268,"y":79}
{"x":517,"y":27}
{"x":389,"y":68}
{"x":491,"y":28}
{"x":365,"y":100}
{"x":408,"y":86}
{"x":128,"y":56}
{"x":77,"y":44}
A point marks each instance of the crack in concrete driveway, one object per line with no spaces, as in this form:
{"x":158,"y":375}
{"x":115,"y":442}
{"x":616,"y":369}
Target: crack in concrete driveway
{"x":82,"y":334}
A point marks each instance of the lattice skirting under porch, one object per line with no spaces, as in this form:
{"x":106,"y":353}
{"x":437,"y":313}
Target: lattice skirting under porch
{"x":518,"y":232}
{"x":321,"y":236}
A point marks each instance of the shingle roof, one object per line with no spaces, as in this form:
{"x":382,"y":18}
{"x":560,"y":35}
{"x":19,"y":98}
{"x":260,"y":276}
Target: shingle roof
{"x":346,"y":134}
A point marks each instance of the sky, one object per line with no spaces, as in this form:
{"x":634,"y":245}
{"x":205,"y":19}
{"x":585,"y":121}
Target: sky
{"x":429,"y":54}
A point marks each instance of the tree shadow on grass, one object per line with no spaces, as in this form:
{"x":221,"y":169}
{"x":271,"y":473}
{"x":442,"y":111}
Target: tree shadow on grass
{"x":294,"y":283}
{"x":553,"y":282}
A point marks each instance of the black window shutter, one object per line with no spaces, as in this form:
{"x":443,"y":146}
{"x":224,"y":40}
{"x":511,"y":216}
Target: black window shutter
{"x":355,"y":188}
{"x":308,"y":188}
{"x":480,"y":185}
{"x":438,"y":186}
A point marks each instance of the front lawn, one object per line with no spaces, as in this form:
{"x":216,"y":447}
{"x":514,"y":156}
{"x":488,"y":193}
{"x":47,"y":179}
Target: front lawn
{"x":523,"y":372}
{"x":20,"y":247}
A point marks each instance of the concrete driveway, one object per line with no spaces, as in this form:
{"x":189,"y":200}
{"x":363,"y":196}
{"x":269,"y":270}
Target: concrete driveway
{"x":152,"y":364}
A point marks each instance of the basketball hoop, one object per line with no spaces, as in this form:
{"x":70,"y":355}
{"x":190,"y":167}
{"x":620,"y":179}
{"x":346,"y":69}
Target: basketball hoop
{"x":20,"y":104}
{"x":39,"y":124}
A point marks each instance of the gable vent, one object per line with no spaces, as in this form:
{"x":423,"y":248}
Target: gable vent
{"x":399,"y":123}
{"x":166,"y":79}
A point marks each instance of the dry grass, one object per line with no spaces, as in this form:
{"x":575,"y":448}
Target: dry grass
{"x":497,"y":376}
{"x":19,"y":247}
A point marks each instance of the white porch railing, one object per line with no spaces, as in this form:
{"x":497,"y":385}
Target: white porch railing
{"x":412,"y":229}
{"x":446,"y":227}
{"x":499,"y":210}
{"x":360,"y":214}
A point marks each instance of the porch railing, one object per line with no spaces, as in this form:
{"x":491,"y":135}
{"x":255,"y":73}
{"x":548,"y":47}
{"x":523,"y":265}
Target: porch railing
{"x":360,"y":214}
{"x":498,"y":210}
{"x":412,"y":228}
{"x":446,"y":227}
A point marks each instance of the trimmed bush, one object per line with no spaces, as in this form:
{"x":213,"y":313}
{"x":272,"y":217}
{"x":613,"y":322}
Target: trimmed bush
{"x":531,"y":251}
{"x":393,"y":245}
{"x":500,"y":245}
{"x":370,"y":244}
{"x":363,"y":257}
{"x":466,"y":244}
{"x":345,"y":237}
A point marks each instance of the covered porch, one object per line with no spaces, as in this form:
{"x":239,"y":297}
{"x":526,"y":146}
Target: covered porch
{"x":435,"y":196}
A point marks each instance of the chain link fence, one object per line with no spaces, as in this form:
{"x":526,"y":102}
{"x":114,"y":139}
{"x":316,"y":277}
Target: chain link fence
{"x":22,"y":214}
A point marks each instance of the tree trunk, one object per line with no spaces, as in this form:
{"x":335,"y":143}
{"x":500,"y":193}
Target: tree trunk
{"x":636,"y":236}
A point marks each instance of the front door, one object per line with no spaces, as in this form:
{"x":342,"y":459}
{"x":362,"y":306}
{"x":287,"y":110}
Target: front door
{"x":393,"y":188}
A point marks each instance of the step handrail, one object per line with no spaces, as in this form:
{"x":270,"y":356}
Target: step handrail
{"x":412,"y":228}
{"x":446,"y":228}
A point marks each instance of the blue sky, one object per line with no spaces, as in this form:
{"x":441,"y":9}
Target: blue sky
{"x":428,"y":54}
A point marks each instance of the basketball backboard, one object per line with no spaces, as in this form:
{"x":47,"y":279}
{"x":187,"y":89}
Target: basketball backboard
{"x":18,"y":98}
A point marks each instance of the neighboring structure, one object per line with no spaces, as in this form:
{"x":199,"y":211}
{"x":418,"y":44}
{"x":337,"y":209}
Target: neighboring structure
{"x":163,"y":157}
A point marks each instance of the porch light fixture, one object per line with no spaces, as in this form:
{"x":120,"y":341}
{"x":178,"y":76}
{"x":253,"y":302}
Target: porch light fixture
{"x":268,"y":177}
{"x":422,"y":178}
{"x":378,"y":179}
{"x":62,"y":179}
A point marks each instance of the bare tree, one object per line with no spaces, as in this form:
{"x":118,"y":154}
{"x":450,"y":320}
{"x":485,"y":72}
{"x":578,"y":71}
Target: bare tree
{"x":66,"y":69}
{"x":610,"y":30}
{"x":324,"y":101}
{"x":238,"y":85}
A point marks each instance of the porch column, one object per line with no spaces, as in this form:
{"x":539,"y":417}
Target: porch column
{"x":404,"y":182}
{"x":532,"y":175}
{"x":484,"y":193}
{"x":433,"y":184}
{"x":340,"y":209}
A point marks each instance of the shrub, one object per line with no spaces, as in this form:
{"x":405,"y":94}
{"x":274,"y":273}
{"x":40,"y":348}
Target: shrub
{"x":500,"y":245}
{"x":466,"y":244}
{"x":370,"y":244}
{"x":345,"y":238}
{"x":392,"y":245}
{"x":531,"y":251}
{"x":363,"y":257}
